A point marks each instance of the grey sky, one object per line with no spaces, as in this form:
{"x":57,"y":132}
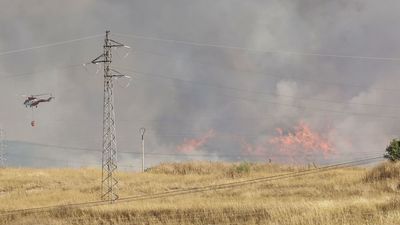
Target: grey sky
{"x":174,"y":109}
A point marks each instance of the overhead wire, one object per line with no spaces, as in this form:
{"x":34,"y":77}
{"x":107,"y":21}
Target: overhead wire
{"x":150,"y":52}
{"x":249,"y":181}
{"x":213,"y":45}
{"x":155,"y":154}
{"x":298,"y":106}
{"x":49,"y":45}
{"x":237,"y":89}
{"x":298,"y":158}
{"x":277,"y":76}
{"x":199,"y":189}
{"x":243,"y":90}
{"x":67,"y":162}
{"x":252,"y":91}
{"x":179,"y":154}
{"x":158,"y":195}
{"x":45,"y":46}
{"x":40,"y":71}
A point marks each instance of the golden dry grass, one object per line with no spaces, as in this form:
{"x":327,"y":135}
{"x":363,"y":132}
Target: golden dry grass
{"x":345,"y":196}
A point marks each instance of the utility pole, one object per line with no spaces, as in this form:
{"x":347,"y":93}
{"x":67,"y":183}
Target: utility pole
{"x":109,"y":153}
{"x":142,"y":131}
{"x":2,"y":148}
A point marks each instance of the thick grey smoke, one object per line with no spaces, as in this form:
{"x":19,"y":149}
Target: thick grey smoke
{"x":243,"y":96}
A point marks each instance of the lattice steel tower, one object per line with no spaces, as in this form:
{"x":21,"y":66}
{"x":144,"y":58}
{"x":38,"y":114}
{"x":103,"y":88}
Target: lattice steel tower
{"x":2,"y":148}
{"x":109,"y":153}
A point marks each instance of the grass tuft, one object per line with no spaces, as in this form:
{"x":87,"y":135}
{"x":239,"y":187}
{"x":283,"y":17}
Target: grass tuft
{"x":384,"y":171}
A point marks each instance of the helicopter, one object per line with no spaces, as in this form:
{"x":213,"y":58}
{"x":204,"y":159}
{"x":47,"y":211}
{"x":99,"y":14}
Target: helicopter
{"x":33,"y":100}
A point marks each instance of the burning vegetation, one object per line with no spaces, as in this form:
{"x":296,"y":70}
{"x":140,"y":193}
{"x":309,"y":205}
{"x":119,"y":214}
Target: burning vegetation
{"x":302,"y":141}
{"x":299,"y":144}
{"x":190,"y":145}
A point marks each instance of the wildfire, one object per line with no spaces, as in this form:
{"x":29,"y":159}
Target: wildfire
{"x":253,"y":150}
{"x":302,"y":141}
{"x":189,"y":145}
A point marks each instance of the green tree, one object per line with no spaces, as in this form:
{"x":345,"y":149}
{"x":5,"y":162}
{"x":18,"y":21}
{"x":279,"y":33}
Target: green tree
{"x":393,"y":150}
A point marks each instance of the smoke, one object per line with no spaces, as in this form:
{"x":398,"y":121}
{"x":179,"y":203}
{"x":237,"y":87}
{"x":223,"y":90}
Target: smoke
{"x":243,"y":96}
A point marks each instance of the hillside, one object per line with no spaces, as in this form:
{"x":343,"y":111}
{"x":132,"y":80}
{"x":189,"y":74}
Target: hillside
{"x":343,"y":196}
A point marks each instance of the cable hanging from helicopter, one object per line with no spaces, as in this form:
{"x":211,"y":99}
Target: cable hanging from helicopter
{"x":32,"y":101}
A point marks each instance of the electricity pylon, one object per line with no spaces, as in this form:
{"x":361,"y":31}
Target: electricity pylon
{"x":2,"y":148}
{"x":109,"y":153}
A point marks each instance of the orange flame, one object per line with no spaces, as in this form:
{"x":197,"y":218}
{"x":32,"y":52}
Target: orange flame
{"x":259,"y":151}
{"x":302,"y":141}
{"x":189,"y":145}
{"x":253,"y":150}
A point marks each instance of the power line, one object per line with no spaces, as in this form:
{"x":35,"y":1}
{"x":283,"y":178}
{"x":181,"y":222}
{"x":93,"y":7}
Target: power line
{"x":192,"y":190}
{"x":295,"y":106}
{"x":318,"y":109}
{"x":269,"y":102}
{"x":200,"y":44}
{"x":298,"y":157}
{"x":52,"y":159}
{"x":65,"y":161}
{"x":169,"y":154}
{"x":66,"y":147}
{"x":169,"y":56}
{"x":41,"y":71}
{"x":278,"y":76}
{"x":198,"y":189}
{"x":215,"y":116}
{"x":149,"y":153}
{"x":254,"y":92}
{"x":49,"y":45}
{"x":200,"y":215}
{"x":249,"y":181}
{"x":244,"y":98}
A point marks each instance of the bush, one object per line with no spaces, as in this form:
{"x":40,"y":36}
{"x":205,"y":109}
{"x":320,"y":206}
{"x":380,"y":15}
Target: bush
{"x":243,"y":168}
{"x":393,"y":150}
{"x":239,"y":170}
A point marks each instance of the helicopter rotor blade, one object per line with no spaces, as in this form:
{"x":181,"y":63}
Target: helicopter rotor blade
{"x":44,"y":94}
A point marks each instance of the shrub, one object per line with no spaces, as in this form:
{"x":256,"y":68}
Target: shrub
{"x":243,"y":168}
{"x":238,"y":170}
{"x":393,"y":150}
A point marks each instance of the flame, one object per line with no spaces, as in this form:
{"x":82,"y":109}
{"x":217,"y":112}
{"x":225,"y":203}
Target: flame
{"x":190,"y":145}
{"x":253,"y":150}
{"x":302,"y":141}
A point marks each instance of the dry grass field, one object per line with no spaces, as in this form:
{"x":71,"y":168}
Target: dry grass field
{"x":345,"y":196}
